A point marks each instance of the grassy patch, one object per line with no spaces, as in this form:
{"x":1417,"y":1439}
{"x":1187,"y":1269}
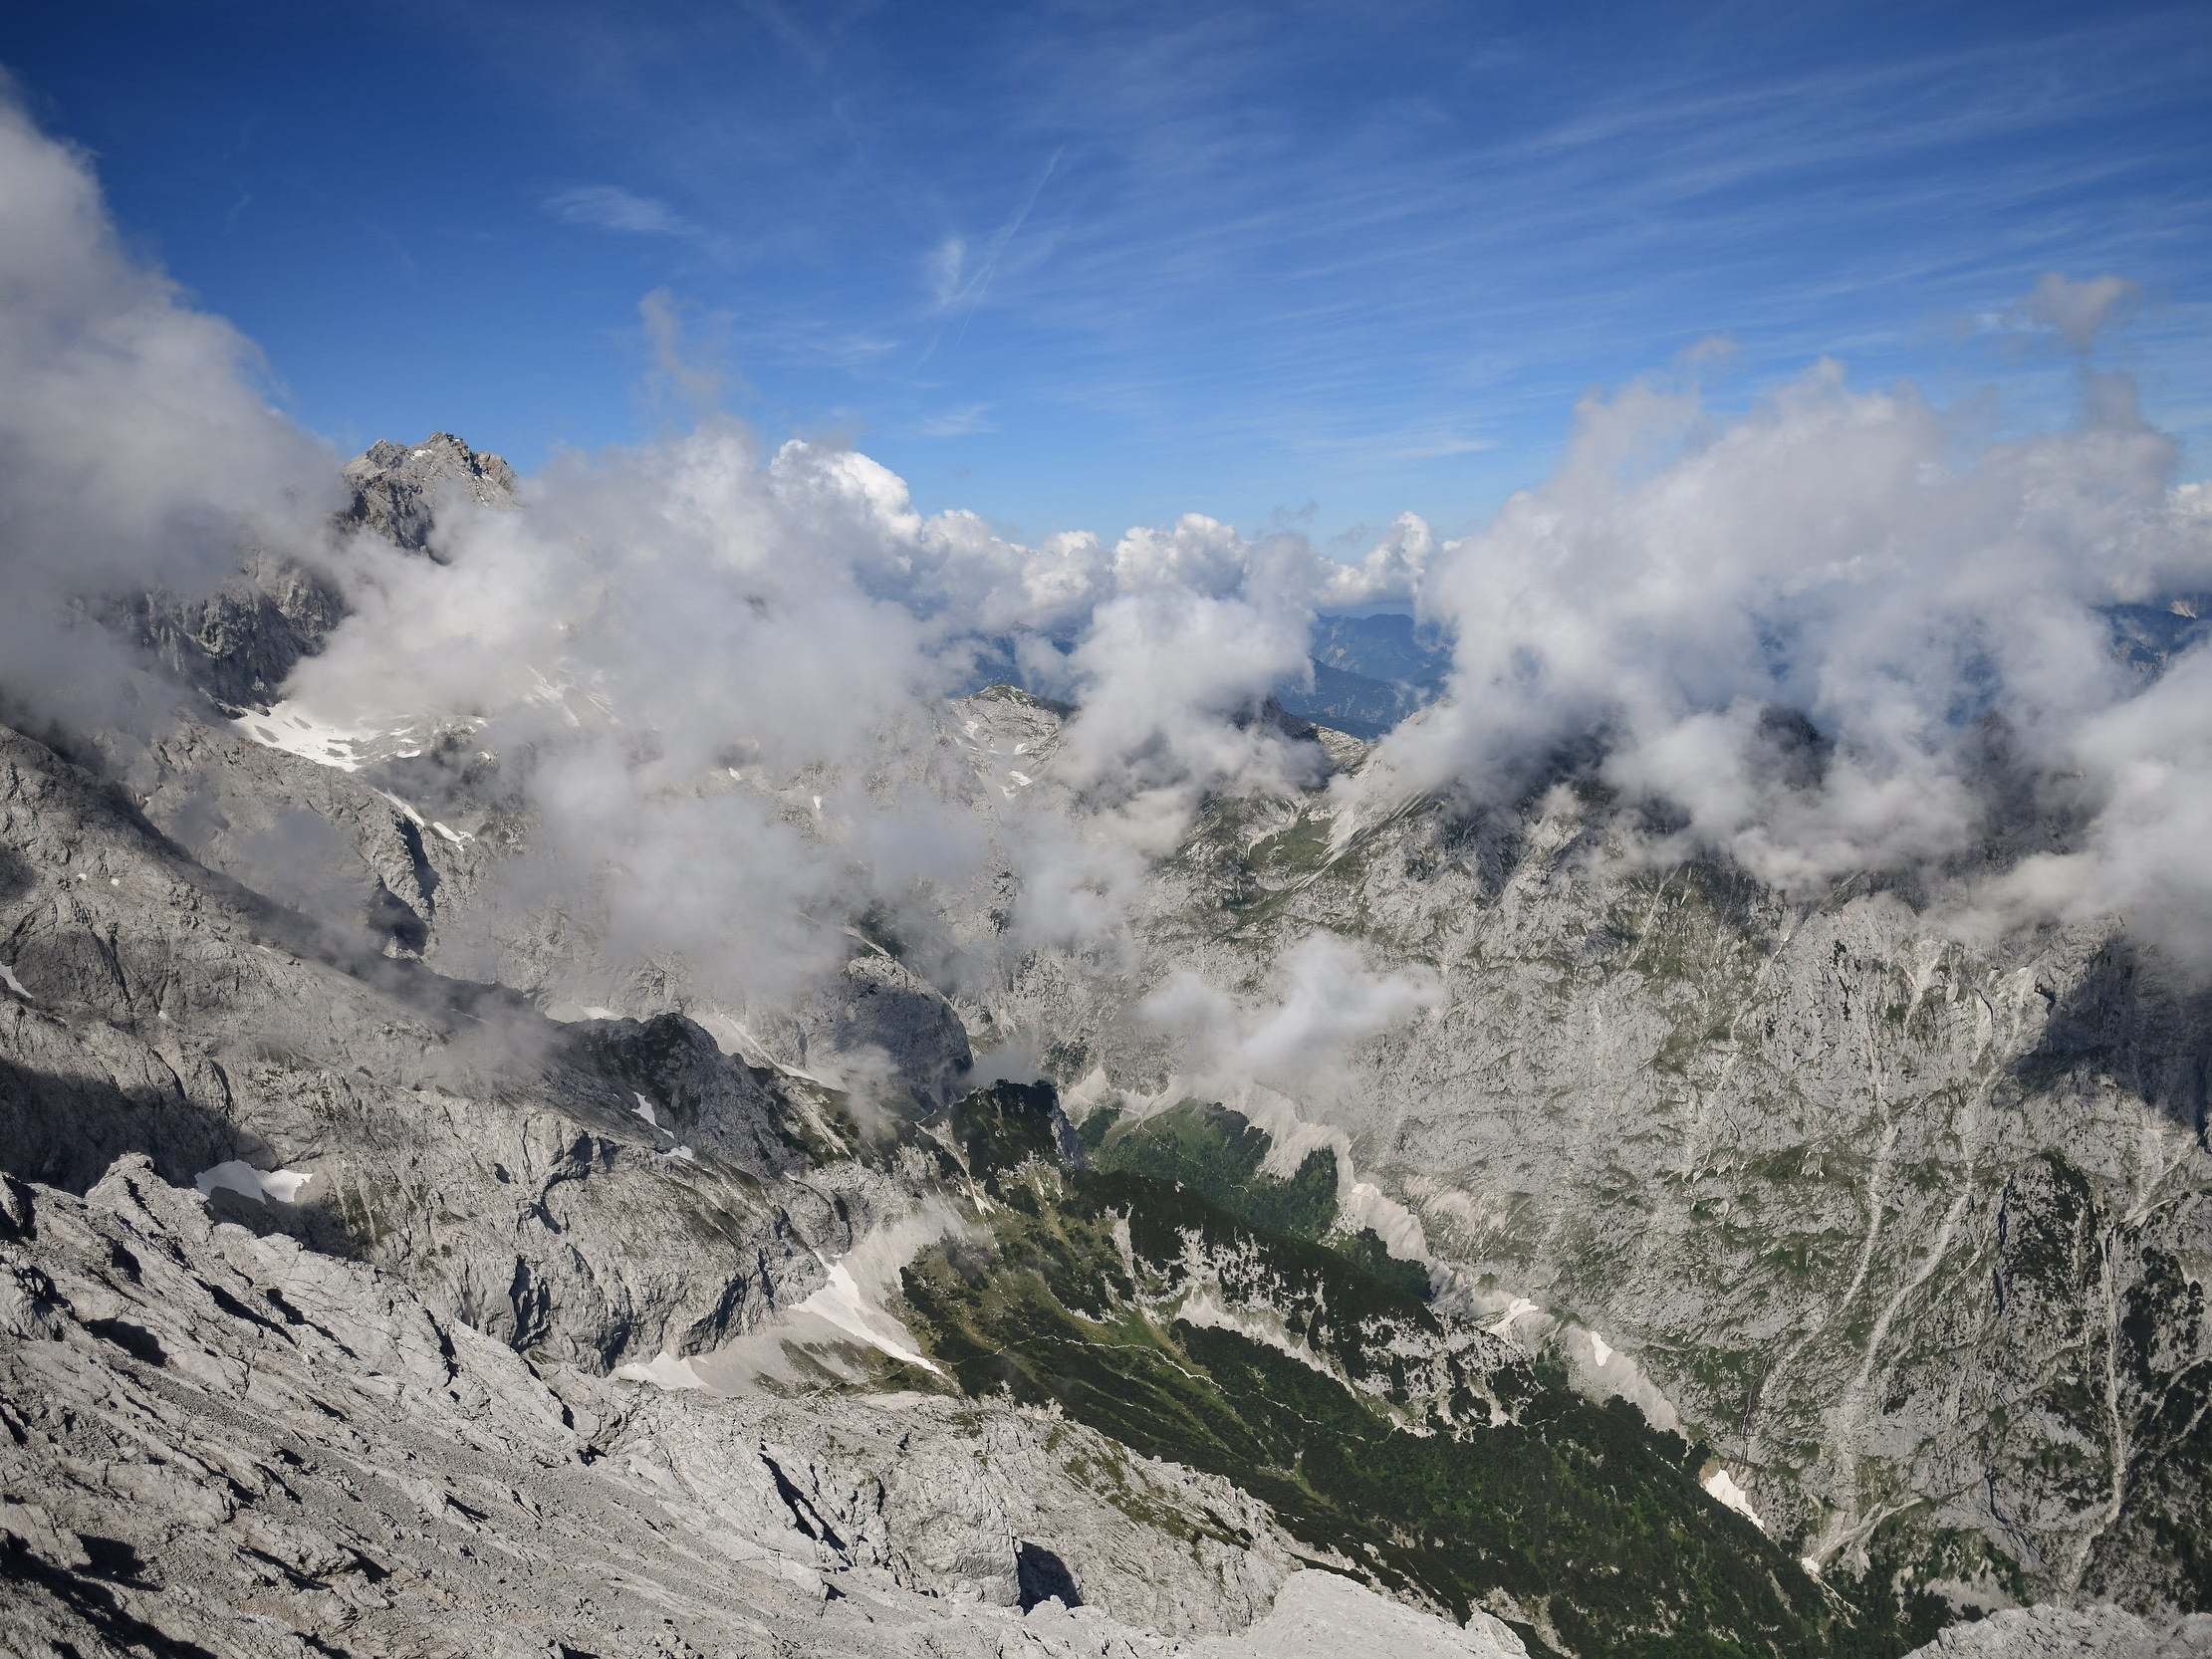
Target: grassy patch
{"x":1577,"y":1517}
{"x":1217,"y":1154}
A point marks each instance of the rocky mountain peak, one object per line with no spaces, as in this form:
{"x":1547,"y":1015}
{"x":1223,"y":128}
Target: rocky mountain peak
{"x":397,"y":486}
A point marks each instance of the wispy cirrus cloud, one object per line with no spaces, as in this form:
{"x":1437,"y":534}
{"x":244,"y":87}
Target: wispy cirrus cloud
{"x":961,"y":421}
{"x":612,"y":207}
{"x":1435,"y":446}
{"x":943,"y":269}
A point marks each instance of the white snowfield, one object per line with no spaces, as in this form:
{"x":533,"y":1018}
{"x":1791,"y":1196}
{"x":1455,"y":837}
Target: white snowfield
{"x":845,"y":1305}
{"x":282,"y":1185}
{"x":1723,"y":1486}
{"x":663,"y":1370}
{"x":7,"y":978}
{"x":1521,"y":1309}
{"x":291,"y":729}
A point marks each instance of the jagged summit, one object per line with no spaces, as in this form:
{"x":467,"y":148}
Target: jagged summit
{"x":396,"y":487}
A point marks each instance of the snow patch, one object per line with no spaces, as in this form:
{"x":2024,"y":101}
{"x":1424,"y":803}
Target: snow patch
{"x":460,"y":838}
{"x":1599,"y":1349}
{"x":288,"y":727}
{"x":843,"y":1304}
{"x":1722,"y":1486}
{"x":1521,"y":1309}
{"x":409,"y":812}
{"x":644,"y":1110}
{"x":663,"y":1370}
{"x":282,"y":1185}
{"x":7,"y":978}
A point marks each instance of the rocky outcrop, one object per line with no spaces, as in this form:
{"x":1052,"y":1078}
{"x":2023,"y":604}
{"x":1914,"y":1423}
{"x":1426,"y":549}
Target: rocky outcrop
{"x":2093,"y":1632}
{"x":238,"y":643}
{"x":446,"y":1129}
{"x":225,"y":1444}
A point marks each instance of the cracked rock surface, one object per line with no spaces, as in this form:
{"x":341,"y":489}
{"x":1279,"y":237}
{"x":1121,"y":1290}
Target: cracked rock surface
{"x":218,"y":1442}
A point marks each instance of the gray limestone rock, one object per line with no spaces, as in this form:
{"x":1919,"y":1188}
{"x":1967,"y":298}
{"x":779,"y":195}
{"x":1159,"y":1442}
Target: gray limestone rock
{"x":221,"y":1443}
{"x":398,"y":488}
{"x":448,"y":1129}
{"x":2098,"y":1631}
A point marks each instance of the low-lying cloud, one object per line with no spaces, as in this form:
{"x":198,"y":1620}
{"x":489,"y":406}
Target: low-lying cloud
{"x":711,"y":667}
{"x":1322,"y":1000}
{"x":137,"y":447}
{"x":1810,"y":629}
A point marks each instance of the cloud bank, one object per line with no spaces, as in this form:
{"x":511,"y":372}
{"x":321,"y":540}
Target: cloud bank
{"x":711,"y":668}
{"x":137,"y":447}
{"x":1812,"y":631}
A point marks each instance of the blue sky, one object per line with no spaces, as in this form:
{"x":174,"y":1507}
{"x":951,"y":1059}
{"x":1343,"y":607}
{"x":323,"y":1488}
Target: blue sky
{"x":1087,"y":265}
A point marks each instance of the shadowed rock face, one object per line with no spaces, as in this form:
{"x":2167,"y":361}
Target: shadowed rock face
{"x":239,"y":643}
{"x":1043,"y":1576}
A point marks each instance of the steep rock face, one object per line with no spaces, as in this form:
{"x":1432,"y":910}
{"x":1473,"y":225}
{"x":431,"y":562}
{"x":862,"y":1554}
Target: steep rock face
{"x":238,"y":643}
{"x":444,"y":1128}
{"x":881,"y":1008}
{"x":398,"y":488}
{"x":331,"y":843}
{"x":224,"y":1444}
{"x":1914,"y":1233}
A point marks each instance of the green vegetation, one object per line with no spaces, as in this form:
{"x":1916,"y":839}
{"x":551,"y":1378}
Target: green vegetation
{"x":1374,"y":1258}
{"x":1216,"y":1152}
{"x":1092,"y":1131}
{"x":1000,"y":1129}
{"x":1506,"y":1489}
{"x":1290,"y":853}
{"x":1902,"y":1554}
